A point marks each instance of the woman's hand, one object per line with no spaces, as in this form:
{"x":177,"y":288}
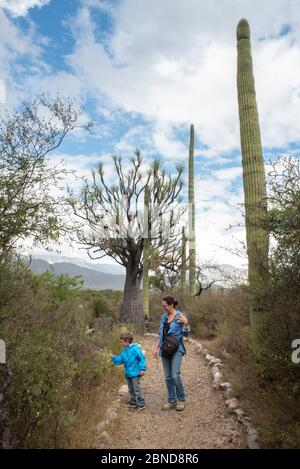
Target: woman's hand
{"x":111,"y":354}
{"x":184,"y":320}
{"x":142,"y":373}
{"x":156,"y":351}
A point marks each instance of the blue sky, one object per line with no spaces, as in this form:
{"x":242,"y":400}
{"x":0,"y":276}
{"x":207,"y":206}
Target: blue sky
{"x":144,"y":72}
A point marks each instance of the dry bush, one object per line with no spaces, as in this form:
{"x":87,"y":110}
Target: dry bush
{"x":55,"y":363}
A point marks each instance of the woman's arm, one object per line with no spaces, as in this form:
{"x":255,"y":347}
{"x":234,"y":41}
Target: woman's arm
{"x":158,"y":336}
{"x":185,"y":328}
{"x":156,"y":349}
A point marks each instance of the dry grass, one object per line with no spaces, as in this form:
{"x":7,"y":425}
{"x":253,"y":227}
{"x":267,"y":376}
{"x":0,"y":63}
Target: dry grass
{"x":273,"y":413}
{"x":92,"y":406}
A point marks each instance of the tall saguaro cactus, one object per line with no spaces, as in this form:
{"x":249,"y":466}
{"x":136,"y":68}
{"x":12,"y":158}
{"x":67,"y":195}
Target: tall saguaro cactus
{"x":252,"y":158}
{"x":146,"y":255}
{"x":192,"y":234}
{"x":183,"y":262}
{"x":253,"y":168}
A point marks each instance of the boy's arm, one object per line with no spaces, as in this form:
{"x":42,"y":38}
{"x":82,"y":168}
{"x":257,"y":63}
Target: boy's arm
{"x":118,"y":359}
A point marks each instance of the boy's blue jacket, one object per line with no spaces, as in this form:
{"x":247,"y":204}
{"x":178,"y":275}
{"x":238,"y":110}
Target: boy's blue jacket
{"x":176,"y":328}
{"x":133,"y":360}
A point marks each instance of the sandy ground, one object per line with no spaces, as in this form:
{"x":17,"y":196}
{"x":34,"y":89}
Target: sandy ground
{"x":205,"y":422}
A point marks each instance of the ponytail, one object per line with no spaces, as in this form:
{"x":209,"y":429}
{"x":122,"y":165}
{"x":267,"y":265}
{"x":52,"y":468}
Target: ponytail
{"x":170,"y":301}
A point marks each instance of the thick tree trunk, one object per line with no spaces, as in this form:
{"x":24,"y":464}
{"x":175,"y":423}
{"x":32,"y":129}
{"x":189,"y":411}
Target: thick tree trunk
{"x":132,"y":307}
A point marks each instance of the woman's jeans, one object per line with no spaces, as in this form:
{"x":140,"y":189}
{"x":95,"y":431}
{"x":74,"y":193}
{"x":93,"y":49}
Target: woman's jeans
{"x":135,"y":391}
{"x":173,"y":379}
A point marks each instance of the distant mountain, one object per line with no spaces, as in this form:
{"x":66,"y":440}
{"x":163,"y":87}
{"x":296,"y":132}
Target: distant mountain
{"x":101,"y":276}
{"x":38,"y":266}
{"x":57,"y":259}
{"x":92,"y":279}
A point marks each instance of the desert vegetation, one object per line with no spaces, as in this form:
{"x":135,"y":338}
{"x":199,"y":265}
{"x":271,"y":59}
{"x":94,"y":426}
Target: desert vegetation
{"x":58,"y":336}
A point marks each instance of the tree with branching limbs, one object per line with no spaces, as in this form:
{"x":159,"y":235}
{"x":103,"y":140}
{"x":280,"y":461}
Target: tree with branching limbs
{"x":110,"y":222}
{"x":27,"y":136}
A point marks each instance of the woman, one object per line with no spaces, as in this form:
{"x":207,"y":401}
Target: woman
{"x":172,"y":323}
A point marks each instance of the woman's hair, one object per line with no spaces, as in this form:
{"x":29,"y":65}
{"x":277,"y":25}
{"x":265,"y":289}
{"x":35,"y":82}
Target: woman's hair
{"x":127,"y":337}
{"x":170,"y":301}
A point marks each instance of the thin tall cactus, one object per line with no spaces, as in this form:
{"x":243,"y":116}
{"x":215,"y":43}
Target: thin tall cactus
{"x":146,"y":255}
{"x":183,"y":262}
{"x":192,"y":234}
{"x":253,"y":169}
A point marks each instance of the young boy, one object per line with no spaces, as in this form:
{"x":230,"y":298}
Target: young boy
{"x":134,"y":362}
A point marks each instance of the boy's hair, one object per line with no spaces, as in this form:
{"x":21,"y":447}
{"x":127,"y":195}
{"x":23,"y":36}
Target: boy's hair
{"x":127,"y":337}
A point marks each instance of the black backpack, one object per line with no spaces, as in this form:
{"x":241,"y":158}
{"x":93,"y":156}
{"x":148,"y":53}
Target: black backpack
{"x":170,"y":346}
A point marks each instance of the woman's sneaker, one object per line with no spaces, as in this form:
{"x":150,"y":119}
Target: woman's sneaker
{"x":169,"y":406}
{"x":180,"y":405}
{"x":138,"y":408}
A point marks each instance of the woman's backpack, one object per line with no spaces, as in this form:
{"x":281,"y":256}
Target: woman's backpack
{"x":170,"y":346}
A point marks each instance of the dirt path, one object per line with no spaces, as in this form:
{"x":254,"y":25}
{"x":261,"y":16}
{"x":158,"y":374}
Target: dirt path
{"x":205,"y":422}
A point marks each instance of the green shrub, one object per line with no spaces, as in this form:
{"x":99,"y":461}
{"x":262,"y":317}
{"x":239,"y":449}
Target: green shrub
{"x":54,"y":361}
{"x":39,"y":352}
{"x":61,"y":286}
{"x":99,"y":306}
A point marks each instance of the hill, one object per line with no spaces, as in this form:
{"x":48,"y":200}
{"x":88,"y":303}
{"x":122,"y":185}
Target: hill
{"x":93,"y":279}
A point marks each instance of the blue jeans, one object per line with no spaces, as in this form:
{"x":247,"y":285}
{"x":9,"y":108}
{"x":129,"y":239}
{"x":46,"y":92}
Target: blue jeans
{"x":135,"y":391}
{"x":173,"y":379}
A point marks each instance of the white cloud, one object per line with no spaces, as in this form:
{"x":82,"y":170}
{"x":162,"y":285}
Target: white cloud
{"x":166,"y":144}
{"x":219,"y":219}
{"x":175,"y":63}
{"x":178,"y":65}
{"x":215,"y":239}
{"x":83,"y":165}
{"x":229,"y":174}
{"x":15,"y":46}
{"x":21,"y":7}
{"x":14,"y":43}
{"x":278,"y":85}
{"x":136,"y":137}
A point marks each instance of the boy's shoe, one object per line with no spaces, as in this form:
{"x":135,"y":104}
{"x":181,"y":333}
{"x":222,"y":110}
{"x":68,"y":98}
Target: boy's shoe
{"x":129,"y":404}
{"x":138,"y":408}
{"x":180,"y":405}
{"x":169,"y":406}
